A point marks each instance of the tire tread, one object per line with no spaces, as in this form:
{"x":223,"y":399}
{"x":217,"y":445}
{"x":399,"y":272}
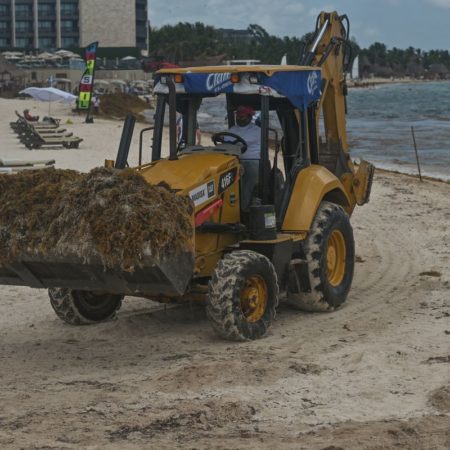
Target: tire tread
{"x":315,"y":301}
{"x":64,"y":304}
{"x":222,"y":308}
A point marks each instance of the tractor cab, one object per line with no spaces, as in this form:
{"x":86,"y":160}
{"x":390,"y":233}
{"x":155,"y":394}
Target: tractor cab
{"x":284,"y":99}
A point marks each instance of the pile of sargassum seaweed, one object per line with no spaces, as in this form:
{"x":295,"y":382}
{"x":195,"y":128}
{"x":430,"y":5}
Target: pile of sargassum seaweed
{"x":108,"y":214}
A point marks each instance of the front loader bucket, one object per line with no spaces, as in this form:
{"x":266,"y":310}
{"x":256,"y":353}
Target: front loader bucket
{"x":108,"y":231}
{"x":167,"y":277}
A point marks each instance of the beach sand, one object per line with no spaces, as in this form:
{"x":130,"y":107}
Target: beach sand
{"x":374,"y":374}
{"x":100,"y":139}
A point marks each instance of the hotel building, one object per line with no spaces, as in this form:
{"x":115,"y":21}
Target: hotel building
{"x":50,"y":24}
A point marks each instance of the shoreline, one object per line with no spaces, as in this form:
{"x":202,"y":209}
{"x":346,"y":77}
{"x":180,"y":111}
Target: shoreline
{"x":208,"y":134}
{"x":101,"y":139}
{"x":364,"y":83}
{"x":410,"y":175}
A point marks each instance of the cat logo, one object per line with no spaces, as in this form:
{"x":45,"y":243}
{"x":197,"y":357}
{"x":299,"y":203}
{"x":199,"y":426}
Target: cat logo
{"x":210,"y":188}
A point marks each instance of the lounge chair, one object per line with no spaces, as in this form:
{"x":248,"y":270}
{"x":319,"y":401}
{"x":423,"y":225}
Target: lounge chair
{"x":37,"y":140}
{"x":35,"y":135}
{"x":14,"y":165}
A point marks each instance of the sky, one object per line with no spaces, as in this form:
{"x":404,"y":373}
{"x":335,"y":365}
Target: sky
{"x":423,"y":24}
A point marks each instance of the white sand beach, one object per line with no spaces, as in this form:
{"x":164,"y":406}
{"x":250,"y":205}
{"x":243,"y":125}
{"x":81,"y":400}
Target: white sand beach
{"x":374,"y":374}
{"x":100,"y":139}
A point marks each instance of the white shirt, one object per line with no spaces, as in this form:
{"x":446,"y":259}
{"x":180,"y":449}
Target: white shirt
{"x":251,"y":134}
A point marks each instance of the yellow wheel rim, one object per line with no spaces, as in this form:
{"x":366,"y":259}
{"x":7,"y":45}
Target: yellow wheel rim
{"x":254,"y":298}
{"x":336,"y":254}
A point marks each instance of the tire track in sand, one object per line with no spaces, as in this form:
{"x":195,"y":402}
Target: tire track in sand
{"x":389,"y":261}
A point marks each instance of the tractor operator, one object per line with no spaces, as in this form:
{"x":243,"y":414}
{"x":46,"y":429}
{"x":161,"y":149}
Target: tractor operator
{"x":248,"y":131}
{"x":251,"y":134}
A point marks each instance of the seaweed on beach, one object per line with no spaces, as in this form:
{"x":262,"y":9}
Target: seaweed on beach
{"x":118,"y":105}
{"x":27,"y":208}
{"x":114,"y":215}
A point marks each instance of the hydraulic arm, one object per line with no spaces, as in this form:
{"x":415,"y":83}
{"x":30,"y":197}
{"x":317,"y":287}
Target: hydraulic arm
{"x":329,"y":51}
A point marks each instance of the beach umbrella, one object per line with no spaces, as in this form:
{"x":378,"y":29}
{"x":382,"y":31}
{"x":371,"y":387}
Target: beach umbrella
{"x":65,"y":53}
{"x":49,"y":94}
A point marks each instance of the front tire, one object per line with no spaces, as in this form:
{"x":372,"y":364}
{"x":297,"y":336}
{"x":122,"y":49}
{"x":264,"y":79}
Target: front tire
{"x":330,"y":253}
{"x":83,"y":307}
{"x":243,"y":296}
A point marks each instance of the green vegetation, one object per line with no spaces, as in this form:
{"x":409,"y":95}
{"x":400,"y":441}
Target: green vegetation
{"x":188,"y":42}
{"x":414,"y":62}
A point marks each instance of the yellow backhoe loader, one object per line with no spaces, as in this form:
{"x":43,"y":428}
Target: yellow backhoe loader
{"x":292,"y":240}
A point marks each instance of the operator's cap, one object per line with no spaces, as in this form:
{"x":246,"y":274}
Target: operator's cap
{"x":244,"y":111}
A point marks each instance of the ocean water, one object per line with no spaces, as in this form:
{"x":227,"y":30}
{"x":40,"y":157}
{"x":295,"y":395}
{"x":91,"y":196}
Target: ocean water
{"x":379,"y":124}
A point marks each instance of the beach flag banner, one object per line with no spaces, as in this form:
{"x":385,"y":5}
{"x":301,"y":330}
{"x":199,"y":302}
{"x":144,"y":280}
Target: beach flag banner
{"x":87,"y":80}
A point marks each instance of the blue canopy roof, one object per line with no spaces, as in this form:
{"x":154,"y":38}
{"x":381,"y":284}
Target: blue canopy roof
{"x":301,"y":87}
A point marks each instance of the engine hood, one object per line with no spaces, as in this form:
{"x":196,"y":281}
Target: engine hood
{"x":193,"y":174}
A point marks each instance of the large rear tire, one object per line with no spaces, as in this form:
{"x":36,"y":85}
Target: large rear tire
{"x":83,"y":307}
{"x":243,"y":296}
{"x":330,"y":253}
